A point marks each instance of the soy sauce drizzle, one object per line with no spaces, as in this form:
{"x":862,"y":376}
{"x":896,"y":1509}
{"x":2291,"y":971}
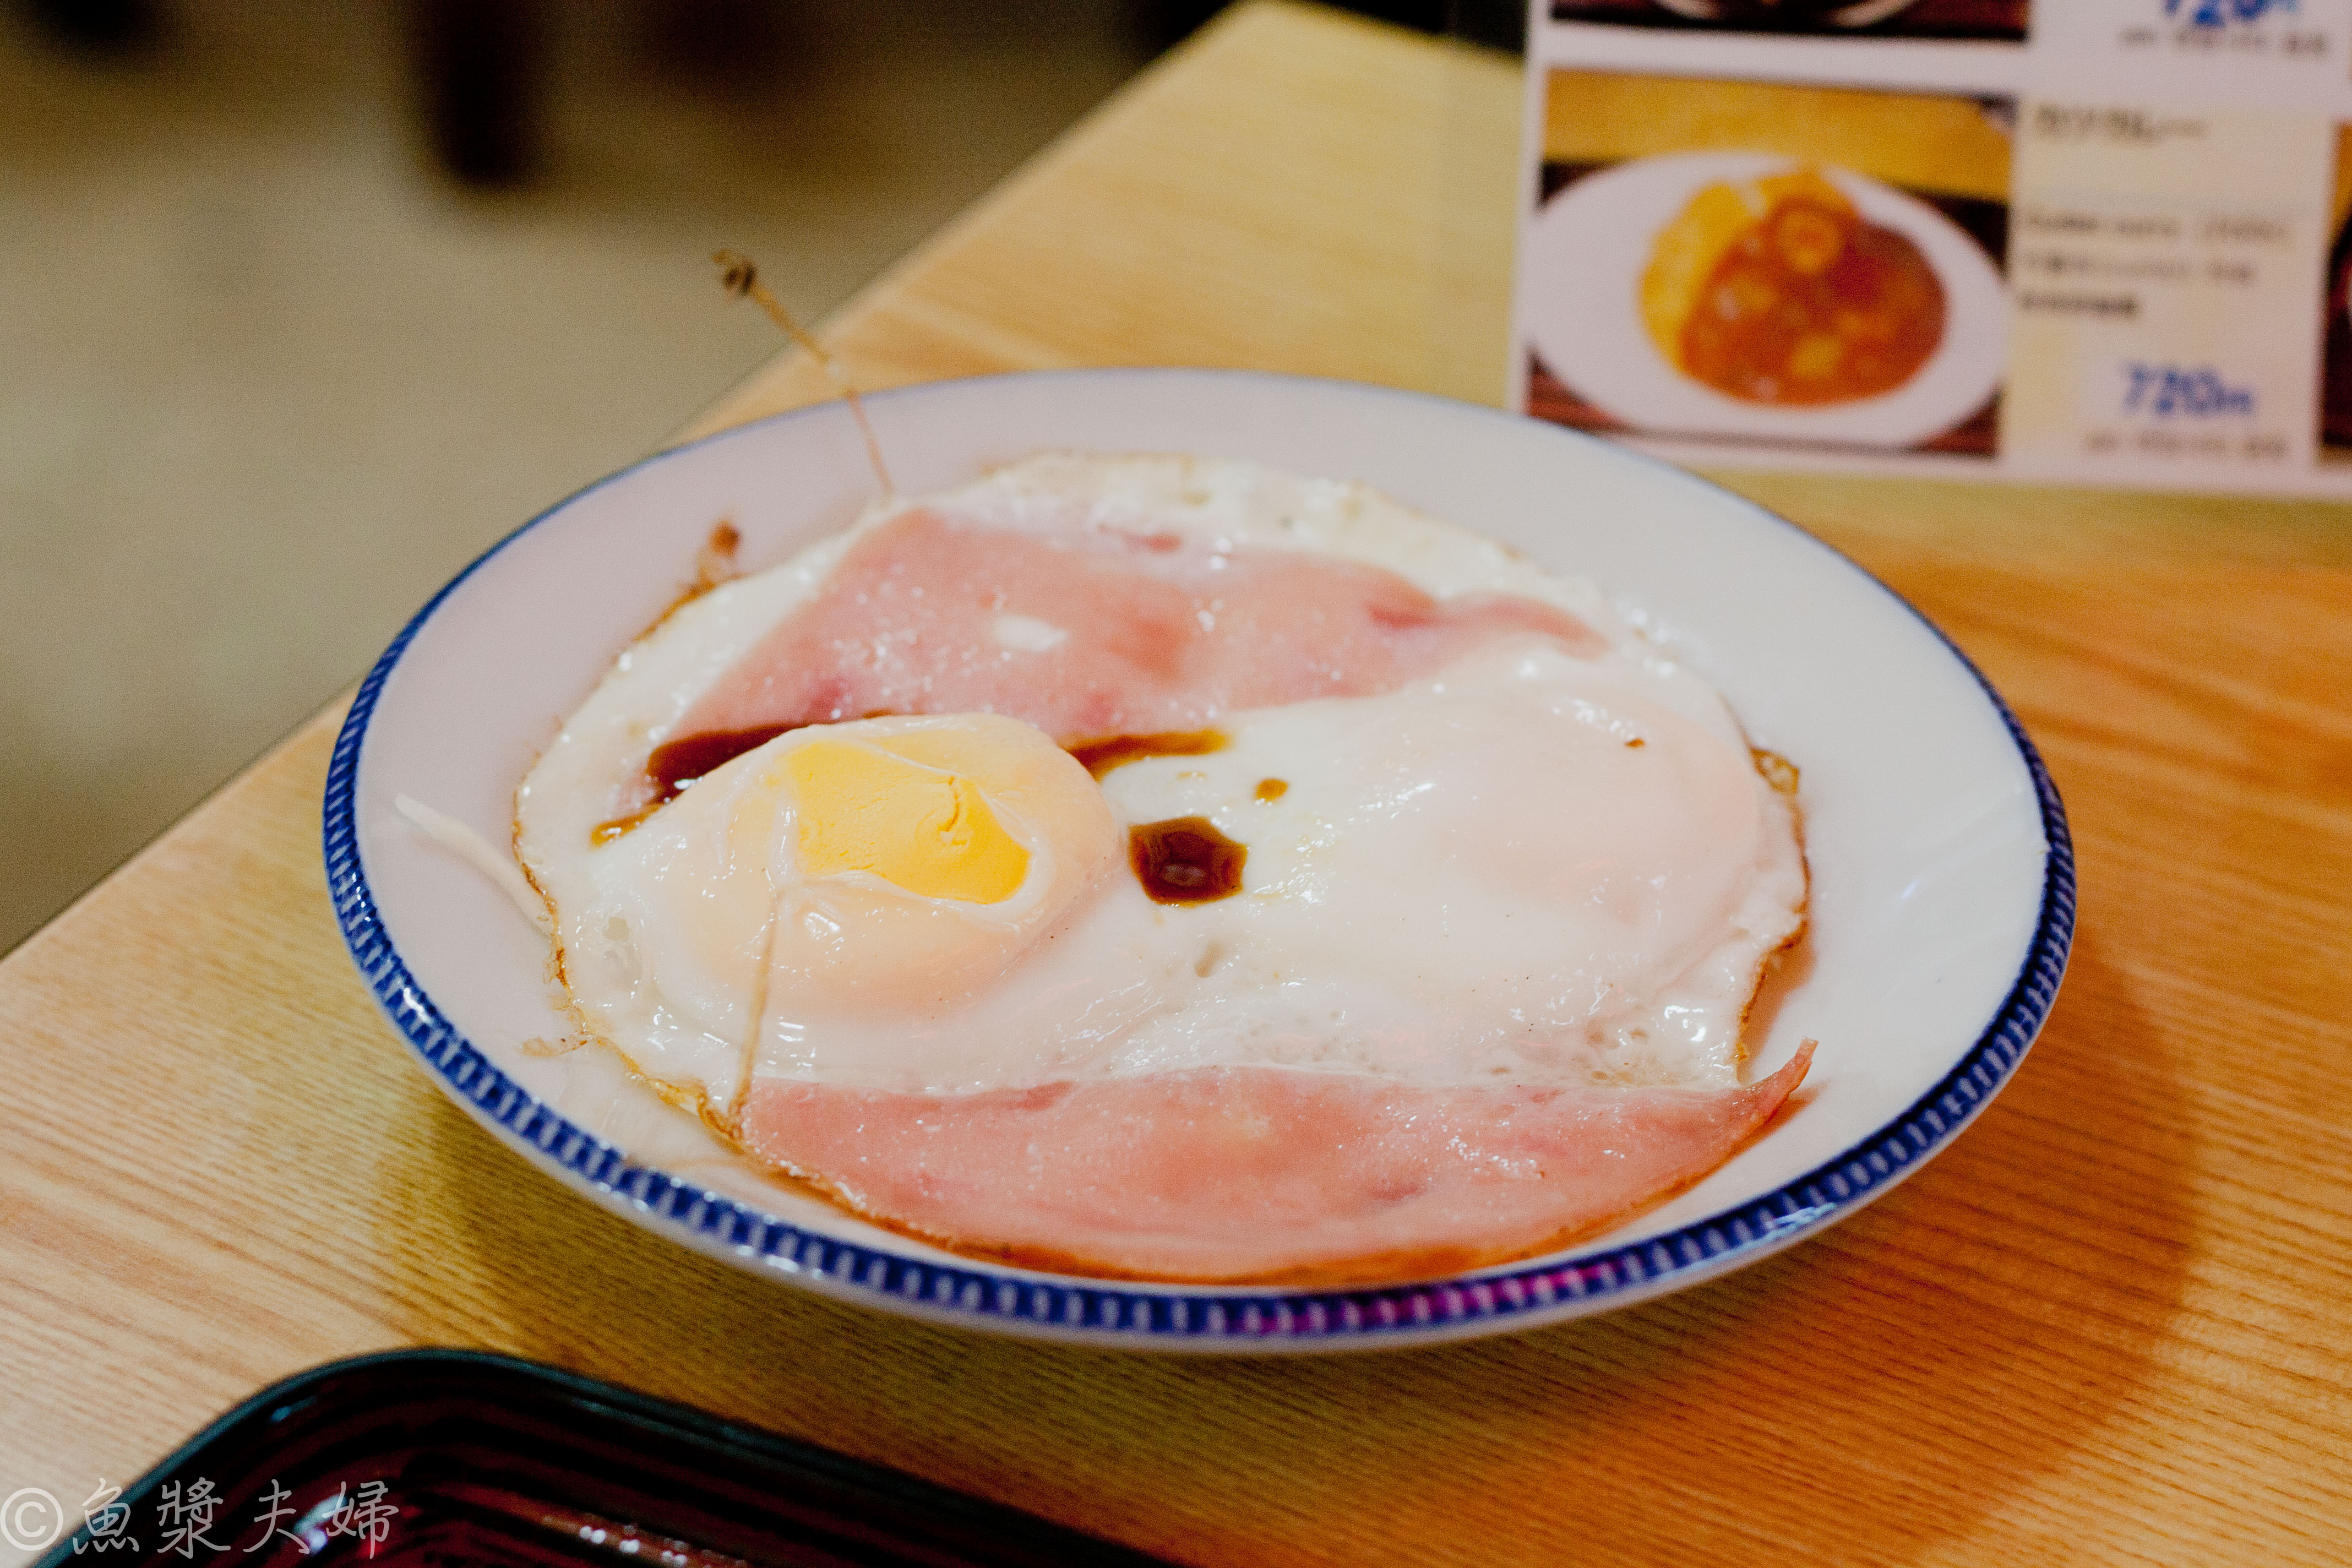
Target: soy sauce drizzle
{"x":1185,"y":860}
{"x":678,"y":764}
{"x":605,"y":832}
{"x":1105,"y":752}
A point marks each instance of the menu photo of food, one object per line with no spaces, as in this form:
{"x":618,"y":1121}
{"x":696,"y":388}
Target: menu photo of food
{"x":1989,"y":21}
{"x":1768,"y":263}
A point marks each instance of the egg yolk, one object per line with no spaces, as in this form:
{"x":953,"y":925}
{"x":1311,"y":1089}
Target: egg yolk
{"x":921,"y":828}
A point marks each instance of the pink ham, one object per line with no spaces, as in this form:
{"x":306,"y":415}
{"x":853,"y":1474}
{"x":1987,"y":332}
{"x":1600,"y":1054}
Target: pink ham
{"x":1255,"y":1173}
{"x":1162,"y":635}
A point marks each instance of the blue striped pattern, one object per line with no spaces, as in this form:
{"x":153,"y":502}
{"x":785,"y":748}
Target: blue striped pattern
{"x":985,"y":1297}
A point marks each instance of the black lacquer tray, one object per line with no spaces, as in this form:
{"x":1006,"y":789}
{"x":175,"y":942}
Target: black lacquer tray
{"x":456,"y":1458}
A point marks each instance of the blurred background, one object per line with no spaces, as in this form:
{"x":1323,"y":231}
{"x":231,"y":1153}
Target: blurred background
{"x":307,"y":302}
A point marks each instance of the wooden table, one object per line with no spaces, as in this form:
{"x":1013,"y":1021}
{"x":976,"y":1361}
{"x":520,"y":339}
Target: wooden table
{"x":2110,"y":1324}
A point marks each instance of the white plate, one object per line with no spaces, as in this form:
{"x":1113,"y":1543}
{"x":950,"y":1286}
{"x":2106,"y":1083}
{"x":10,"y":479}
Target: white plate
{"x":1586,"y":253}
{"x":1942,"y":884}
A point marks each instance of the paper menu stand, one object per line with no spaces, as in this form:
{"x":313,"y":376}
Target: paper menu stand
{"x":2133,"y":213}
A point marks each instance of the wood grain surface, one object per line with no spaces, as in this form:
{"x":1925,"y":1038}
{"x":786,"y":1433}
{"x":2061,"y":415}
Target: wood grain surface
{"x":2109,"y":1325}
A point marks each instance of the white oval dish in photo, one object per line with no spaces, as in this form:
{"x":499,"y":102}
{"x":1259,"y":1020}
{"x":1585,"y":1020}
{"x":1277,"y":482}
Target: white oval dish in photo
{"x":1581,"y":283}
{"x":1942,"y":884}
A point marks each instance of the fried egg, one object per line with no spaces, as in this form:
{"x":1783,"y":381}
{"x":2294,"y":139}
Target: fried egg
{"x":1466,"y":841}
{"x":830,"y":882}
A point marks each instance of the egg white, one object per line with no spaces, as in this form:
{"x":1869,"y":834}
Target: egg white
{"x":1531,"y":867}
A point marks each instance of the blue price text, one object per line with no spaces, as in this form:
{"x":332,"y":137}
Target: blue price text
{"x":2222,"y":13}
{"x":2173,"y":392}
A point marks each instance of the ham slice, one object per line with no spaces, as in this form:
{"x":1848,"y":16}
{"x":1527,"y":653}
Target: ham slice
{"x":1089,"y":632}
{"x":1245,"y":1173}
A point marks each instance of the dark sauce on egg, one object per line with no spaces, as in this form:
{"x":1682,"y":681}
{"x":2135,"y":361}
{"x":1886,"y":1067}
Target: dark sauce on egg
{"x":1185,"y":860}
{"x":1105,"y":752}
{"x":1272,"y":789}
{"x":678,"y":764}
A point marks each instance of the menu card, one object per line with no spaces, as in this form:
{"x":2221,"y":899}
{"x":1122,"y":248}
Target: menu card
{"x":2074,"y":240}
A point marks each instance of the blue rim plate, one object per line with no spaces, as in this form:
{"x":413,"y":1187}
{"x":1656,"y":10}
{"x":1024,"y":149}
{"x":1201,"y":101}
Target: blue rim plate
{"x":1943,"y":878}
